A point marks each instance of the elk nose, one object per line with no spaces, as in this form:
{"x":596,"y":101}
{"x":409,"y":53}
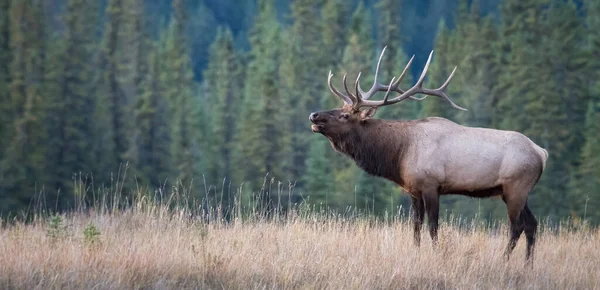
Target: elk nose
{"x":313,"y":116}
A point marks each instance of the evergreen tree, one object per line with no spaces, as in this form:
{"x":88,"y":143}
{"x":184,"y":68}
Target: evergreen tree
{"x":223,"y":74}
{"x":153,"y":142}
{"x":307,"y":85}
{"x":318,"y":179}
{"x":263,"y":144}
{"x":134,"y":57}
{"x":516,"y":57}
{"x":180,"y":91}
{"x":585,"y":187}
{"x":5,"y":56}
{"x":71,"y":79}
{"x":201,"y":32}
{"x":334,"y":14}
{"x":23,"y":166}
{"x":113,"y":106}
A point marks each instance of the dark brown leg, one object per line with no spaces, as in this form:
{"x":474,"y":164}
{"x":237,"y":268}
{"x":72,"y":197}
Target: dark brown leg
{"x":517,"y":226}
{"x":418,"y":214}
{"x":530,"y":232}
{"x":433,"y":212}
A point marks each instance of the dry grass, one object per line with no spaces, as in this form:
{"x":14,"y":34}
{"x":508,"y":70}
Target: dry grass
{"x":160,"y":249}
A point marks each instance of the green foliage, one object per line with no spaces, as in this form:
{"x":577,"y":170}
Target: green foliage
{"x":5,"y":56}
{"x":56,"y":229}
{"x":91,"y":234}
{"x":263,"y":141}
{"x":113,"y":106}
{"x":304,"y":75}
{"x":25,"y":155}
{"x":72,"y":75}
{"x":318,"y":181}
{"x":223,"y":73}
{"x":153,"y":139}
{"x":183,"y":99}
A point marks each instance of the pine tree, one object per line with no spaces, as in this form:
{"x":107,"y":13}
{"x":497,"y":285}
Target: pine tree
{"x":335,"y":22}
{"x":153,"y":142}
{"x":180,"y":91}
{"x":585,"y":187}
{"x":18,"y":66}
{"x":584,"y":184}
{"x":5,"y":56}
{"x":307,"y":85}
{"x":516,"y":57}
{"x":263,"y":146}
{"x":71,"y":79}
{"x":221,"y":77}
{"x":23,"y":166}
{"x":318,"y":179}
{"x":201,"y":32}
{"x":113,"y":103}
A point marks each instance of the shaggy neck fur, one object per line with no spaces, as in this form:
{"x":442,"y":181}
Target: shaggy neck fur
{"x":377,"y":146}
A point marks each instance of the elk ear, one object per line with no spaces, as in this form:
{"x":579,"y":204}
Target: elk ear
{"x":368,"y":113}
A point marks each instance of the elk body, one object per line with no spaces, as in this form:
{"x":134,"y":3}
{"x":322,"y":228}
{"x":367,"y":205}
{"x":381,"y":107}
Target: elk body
{"x":435,"y":156}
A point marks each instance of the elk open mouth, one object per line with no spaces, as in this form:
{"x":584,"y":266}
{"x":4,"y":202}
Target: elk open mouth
{"x":316,"y":128}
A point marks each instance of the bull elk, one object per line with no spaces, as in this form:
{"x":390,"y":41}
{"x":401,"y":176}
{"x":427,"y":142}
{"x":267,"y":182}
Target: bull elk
{"x":434,"y":156}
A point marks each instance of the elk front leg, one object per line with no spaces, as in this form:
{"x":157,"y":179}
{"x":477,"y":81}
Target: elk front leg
{"x":432,"y":207}
{"x":418,"y":214}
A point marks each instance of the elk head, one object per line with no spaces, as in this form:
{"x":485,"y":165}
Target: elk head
{"x":358,"y":108}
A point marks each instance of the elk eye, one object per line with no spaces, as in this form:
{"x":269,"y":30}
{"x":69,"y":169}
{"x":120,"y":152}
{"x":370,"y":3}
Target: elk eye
{"x":344,"y":116}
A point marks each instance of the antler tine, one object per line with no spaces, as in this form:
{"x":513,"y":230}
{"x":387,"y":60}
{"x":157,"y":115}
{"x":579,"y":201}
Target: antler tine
{"x":401,"y":77}
{"x":424,"y":72}
{"x":376,"y":85}
{"x":350,"y":95}
{"x":417,"y":88}
{"x":441,"y":92}
{"x":445,"y":85}
{"x":387,"y":94}
{"x":344,"y":98}
{"x":357,"y":86}
{"x":443,"y":89}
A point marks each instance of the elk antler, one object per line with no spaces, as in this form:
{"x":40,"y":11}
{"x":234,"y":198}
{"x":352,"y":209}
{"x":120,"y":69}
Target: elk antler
{"x":361,"y":98}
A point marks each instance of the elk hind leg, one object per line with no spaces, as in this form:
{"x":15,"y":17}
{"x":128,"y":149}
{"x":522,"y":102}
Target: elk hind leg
{"x":432,"y":206}
{"x":530,"y":224}
{"x":515,"y":210}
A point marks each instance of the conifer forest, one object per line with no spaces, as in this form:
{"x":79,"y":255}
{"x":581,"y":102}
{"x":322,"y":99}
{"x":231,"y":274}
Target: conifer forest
{"x":211,"y":98}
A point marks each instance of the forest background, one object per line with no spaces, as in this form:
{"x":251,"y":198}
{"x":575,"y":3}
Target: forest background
{"x":212,"y":97}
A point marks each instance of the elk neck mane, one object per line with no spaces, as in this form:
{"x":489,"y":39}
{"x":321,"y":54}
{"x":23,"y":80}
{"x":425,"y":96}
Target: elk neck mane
{"x":377,"y":146}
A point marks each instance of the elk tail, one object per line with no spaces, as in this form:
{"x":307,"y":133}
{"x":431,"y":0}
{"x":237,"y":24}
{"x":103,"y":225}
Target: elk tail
{"x":544,"y":158}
